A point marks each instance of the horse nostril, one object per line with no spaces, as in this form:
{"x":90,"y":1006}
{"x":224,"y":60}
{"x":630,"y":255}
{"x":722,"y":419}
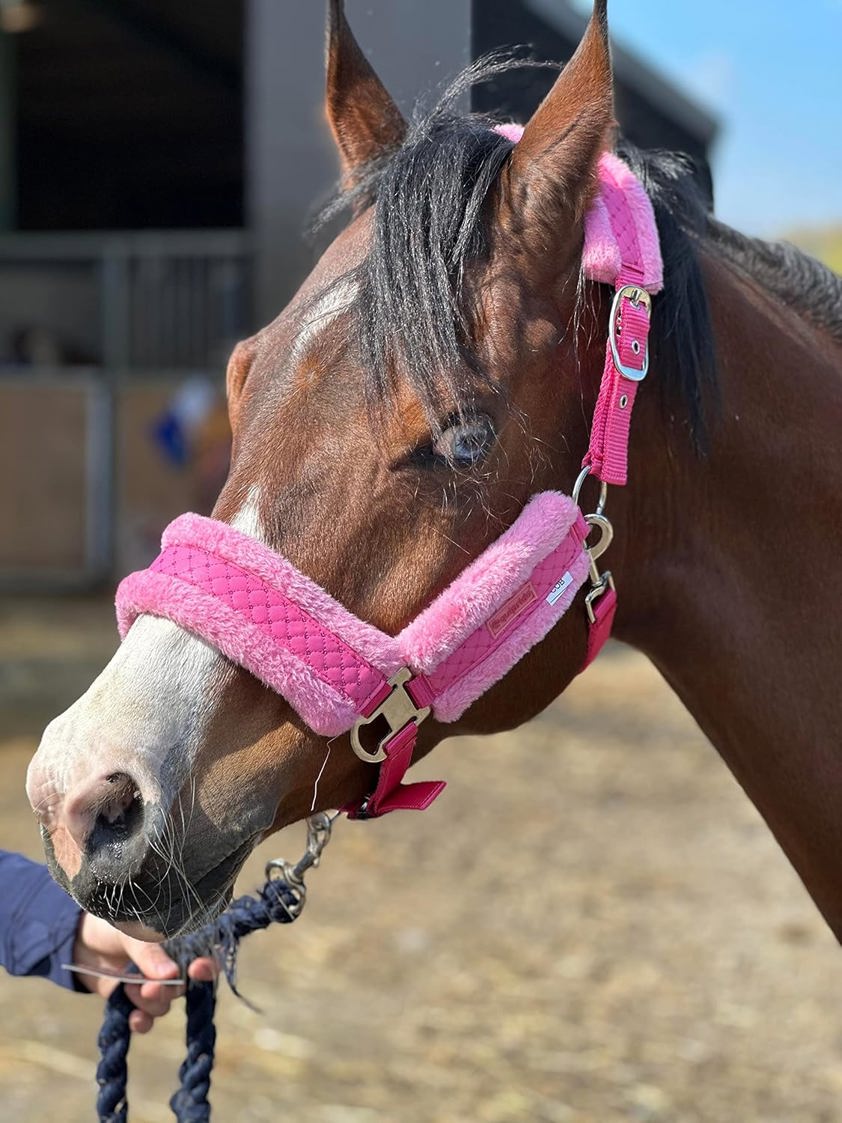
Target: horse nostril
{"x":119,"y":815}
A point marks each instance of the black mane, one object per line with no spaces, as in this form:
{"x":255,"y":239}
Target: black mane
{"x":797,"y":279}
{"x":430,"y":226}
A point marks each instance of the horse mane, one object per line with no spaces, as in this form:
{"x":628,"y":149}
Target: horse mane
{"x":430,"y":227}
{"x":800,"y":281}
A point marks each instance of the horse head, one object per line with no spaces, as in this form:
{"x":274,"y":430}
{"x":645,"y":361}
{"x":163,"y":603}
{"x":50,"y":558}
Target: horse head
{"x":437,"y":368}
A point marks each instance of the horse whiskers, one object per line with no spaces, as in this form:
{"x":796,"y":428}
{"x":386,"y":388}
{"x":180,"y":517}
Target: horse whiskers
{"x":176,"y":864}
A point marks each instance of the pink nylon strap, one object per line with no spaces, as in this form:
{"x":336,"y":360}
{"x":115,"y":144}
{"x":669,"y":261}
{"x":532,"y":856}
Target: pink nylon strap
{"x":621,"y":248}
{"x":622,"y":207}
{"x":607,"y":454}
{"x":599,"y":632}
{"x":391,"y":794}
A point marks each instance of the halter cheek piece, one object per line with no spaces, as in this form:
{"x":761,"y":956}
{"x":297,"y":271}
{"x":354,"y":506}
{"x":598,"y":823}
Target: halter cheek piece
{"x":342,"y":675}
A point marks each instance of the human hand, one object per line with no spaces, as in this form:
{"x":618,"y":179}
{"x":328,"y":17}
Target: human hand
{"x":103,"y":948}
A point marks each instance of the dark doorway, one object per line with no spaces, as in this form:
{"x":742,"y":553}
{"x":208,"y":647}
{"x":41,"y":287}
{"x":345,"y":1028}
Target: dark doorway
{"x":130,"y":115}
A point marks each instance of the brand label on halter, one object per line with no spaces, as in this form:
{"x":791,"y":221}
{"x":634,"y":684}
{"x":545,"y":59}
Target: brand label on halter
{"x":558,"y":589}
{"x":513,"y":607}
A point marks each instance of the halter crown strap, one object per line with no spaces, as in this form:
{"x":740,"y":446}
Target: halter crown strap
{"x":622,"y":248}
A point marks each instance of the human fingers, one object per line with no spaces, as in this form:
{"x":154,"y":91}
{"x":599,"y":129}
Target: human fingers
{"x":203,"y":970}
{"x":140,"y":1021}
{"x":150,"y":959}
{"x":155,"y":1002}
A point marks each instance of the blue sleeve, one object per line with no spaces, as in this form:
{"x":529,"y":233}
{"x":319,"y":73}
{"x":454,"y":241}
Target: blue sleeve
{"x":38,"y":921}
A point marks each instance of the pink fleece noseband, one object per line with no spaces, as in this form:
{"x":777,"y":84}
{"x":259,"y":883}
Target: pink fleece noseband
{"x":340,"y":673}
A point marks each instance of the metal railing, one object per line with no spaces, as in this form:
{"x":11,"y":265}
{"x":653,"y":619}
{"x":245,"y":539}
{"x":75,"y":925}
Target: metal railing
{"x":168,"y":300}
{"x":95,"y":311}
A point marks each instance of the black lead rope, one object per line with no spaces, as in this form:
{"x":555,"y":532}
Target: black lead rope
{"x":280,"y":901}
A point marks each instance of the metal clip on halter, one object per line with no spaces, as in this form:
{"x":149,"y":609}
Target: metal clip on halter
{"x":319,"y":827}
{"x":398,"y":709}
{"x":600,"y":582}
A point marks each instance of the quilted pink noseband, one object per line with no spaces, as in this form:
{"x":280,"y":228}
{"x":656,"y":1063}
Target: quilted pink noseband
{"x":342,"y":674}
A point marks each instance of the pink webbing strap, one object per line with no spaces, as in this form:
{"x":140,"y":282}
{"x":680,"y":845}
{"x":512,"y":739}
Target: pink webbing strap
{"x":607,"y":454}
{"x":623,"y":208}
{"x":622,"y":248}
{"x":391,"y":793}
{"x":599,"y":630}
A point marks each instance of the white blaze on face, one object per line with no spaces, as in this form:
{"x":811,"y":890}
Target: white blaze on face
{"x":145,"y":715}
{"x":322,"y":311}
{"x":247,"y":519}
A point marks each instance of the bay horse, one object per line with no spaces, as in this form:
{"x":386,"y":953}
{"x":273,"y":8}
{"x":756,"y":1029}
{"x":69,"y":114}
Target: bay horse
{"x":438,"y":368}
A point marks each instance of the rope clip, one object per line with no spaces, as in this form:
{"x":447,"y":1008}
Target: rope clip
{"x":319,"y":827}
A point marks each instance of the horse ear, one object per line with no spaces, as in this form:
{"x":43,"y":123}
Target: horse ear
{"x":364,"y":119}
{"x":550,"y":176}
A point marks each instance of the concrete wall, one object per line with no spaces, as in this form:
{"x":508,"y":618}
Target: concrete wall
{"x":59,"y":489}
{"x":43,"y":478}
{"x":290,"y":159}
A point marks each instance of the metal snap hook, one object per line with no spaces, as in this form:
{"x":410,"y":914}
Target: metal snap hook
{"x":606,"y":535}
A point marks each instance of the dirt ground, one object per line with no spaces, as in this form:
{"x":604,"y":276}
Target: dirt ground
{"x":592,"y":925}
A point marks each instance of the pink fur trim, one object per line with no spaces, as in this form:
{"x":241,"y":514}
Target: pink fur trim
{"x":613,"y":171}
{"x":218,"y":538}
{"x":510,"y":131}
{"x":602,"y":258}
{"x":481,"y":589}
{"x":453,"y":702}
{"x":323,"y":708}
{"x":212,"y":580}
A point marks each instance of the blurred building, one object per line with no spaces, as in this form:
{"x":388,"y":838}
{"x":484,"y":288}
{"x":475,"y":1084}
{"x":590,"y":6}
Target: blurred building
{"x":158,"y":161}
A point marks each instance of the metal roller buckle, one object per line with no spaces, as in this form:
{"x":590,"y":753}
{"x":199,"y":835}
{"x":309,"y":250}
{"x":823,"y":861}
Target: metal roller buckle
{"x":637,"y":296}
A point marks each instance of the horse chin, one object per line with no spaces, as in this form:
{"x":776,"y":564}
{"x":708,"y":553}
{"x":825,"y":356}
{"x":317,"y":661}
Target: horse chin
{"x":139,"y":931}
{"x":176,"y":922}
{"x":156,"y":903}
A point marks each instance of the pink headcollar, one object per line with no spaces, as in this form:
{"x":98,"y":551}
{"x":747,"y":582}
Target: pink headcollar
{"x":340,"y":673}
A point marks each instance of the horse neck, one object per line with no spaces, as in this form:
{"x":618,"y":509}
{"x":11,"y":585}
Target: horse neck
{"x":730,"y":579}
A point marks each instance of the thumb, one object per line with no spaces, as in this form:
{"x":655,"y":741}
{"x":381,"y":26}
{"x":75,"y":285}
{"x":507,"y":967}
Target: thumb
{"x":151,"y":960}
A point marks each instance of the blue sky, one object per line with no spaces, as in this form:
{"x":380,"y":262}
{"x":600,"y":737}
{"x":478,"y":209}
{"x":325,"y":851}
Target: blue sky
{"x":772,"y":72}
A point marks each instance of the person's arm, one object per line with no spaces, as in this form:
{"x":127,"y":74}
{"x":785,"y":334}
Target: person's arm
{"x":38,"y":921}
{"x":41,"y":928}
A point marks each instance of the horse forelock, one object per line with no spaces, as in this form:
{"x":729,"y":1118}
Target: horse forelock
{"x":416,"y":311}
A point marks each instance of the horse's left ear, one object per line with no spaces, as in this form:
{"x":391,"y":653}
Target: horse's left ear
{"x":364,"y":119}
{"x":550,"y":177}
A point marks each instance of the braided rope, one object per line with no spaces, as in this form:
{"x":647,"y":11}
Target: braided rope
{"x":277,"y":903}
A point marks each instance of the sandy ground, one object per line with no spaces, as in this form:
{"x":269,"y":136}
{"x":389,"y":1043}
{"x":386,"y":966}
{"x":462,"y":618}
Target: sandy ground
{"x":592,"y":925}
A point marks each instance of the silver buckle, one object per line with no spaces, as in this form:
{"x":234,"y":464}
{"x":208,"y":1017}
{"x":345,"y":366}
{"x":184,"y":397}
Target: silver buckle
{"x":637,"y":296}
{"x":398,"y":709}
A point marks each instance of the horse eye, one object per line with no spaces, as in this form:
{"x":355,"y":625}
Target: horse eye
{"x":464,"y":444}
